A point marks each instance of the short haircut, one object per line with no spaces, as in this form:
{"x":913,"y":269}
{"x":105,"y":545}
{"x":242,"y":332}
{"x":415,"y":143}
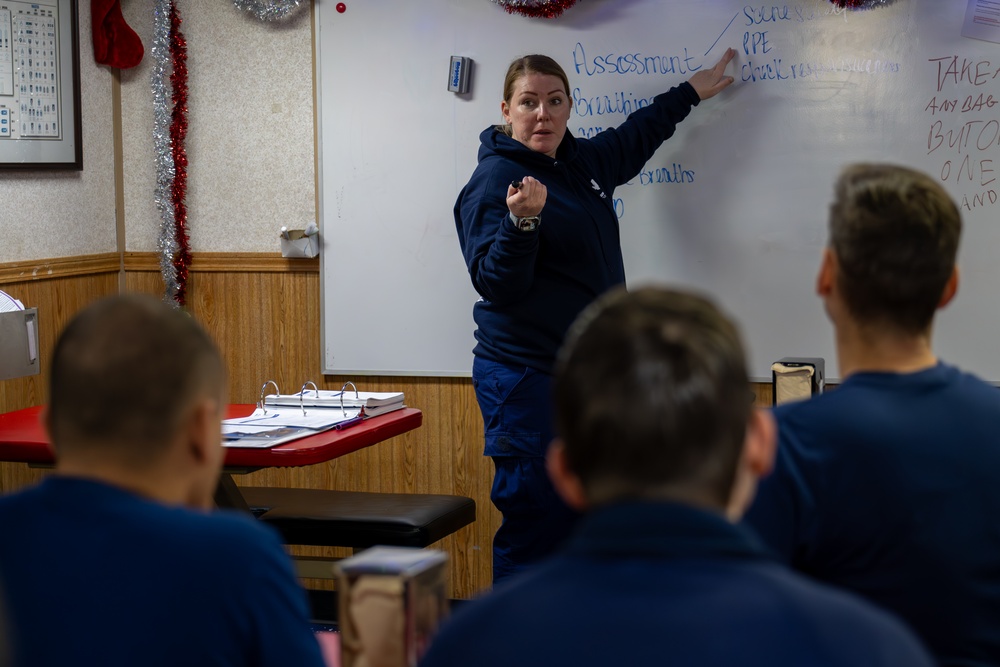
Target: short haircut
{"x":537,"y":64}
{"x":125,"y":372}
{"x":650,"y":394}
{"x":895,"y":233}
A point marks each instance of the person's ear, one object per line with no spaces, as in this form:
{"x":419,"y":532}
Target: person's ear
{"x":756,"y":461}
{"x":761,"y":443}
{"x":203,"y":430}
{"x":566,"y":482}
{"x":505,"y":110}
{"x":43,"y":418}
{"x":950,"y":289}
{"x":827,"y":275}
{"x":203,"y":452}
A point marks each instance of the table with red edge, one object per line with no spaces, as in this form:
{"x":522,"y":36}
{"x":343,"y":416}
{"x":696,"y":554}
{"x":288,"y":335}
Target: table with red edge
{"x":23,"y":440}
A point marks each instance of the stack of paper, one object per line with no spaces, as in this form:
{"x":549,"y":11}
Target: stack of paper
{"x":371,"y":403}
{"x":9,"y":304}
{"x":270,"y":426}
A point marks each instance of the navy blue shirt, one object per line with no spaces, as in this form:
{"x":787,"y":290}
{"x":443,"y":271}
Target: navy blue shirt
{"x":95,"y":575}
{"x":534,"y":284}
{"x":889,"y":486}
{"x":666,"y":584}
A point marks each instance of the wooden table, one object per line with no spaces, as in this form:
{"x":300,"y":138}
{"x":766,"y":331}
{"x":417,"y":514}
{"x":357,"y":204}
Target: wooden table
{"x":23,"y":440}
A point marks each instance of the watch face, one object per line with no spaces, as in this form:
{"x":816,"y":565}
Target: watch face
{"x":526,"y":224}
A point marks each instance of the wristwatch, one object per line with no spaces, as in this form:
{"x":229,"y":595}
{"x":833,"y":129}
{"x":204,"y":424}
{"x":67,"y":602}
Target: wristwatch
{"x":527,"y":224}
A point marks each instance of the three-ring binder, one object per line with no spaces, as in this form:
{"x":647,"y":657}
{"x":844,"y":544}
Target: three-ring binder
{"x":280,"y":418}
{"x":260,"y":401}
{"x":369,"y":404}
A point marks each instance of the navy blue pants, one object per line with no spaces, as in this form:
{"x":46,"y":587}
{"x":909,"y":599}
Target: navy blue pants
{"x":516,"y":404}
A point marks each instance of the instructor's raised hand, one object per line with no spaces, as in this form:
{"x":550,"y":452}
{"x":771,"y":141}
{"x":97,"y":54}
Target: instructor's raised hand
{"x":709,"y":82}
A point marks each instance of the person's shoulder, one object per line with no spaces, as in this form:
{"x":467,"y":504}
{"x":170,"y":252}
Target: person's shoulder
{"x":490,"y":618}
{"x":971,"y":383}
{"x":505,"y":598}
{"x":475,"y":624}
{"x":825,"y":432}
{"x":867,"y":396}
{"x":21,"y":514}
{"x":238,"y":553}
{"x":489,"y":143}
{"x":226,"y":541}
{"x":20,"y":498}
{"x":829,"y":400}
{"x":495,"y":162}
{"x":494,"y":143}
{"x":810,"y":415}
{"x":826,"y":615}
{"x":847,"y":405}
{"x":228,"y":530}
{"x":57,"y":494}
{"x":245,"y":579}
{"x":482,"y":184}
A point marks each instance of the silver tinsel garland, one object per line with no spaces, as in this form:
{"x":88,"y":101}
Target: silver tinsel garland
{"x":268,"y":10}
{"x":167,"y":242}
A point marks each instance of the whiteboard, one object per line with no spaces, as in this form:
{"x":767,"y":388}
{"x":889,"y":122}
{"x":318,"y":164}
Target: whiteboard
{"x":734,"y":205}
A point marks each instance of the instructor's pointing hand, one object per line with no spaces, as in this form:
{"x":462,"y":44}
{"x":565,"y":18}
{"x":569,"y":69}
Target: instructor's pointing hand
{"x":709,"y":82}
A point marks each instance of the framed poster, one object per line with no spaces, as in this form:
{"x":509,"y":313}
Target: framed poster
{"x":40,"y":85}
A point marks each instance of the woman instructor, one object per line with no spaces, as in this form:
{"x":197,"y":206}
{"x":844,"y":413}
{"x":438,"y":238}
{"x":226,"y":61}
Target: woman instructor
{"x":540,"y":237}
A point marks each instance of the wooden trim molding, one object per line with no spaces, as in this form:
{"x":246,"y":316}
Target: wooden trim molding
{"x":227,"y":262}
{"x":112,"y":262}
{"x":59,"y":267}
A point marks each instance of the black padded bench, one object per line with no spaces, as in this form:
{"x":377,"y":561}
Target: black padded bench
{"x":359,"y":519}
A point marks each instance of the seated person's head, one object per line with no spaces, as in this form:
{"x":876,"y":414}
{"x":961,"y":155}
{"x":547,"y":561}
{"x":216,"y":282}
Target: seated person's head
{"x":652,"y":401}
{"x":136,"y":392}
{"x":894,"y":235}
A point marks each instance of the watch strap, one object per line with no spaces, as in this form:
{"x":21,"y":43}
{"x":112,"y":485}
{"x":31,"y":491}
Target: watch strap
{"x":526,"y":224}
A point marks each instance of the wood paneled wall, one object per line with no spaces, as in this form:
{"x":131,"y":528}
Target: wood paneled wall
{"x":264,"y":313}
{"x":58,"y":288}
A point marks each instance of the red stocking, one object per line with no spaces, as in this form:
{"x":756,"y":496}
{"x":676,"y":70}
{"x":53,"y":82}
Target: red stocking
{"x":115,"y":43}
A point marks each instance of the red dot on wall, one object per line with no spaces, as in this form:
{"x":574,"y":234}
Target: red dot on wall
{"x":341,"y":7}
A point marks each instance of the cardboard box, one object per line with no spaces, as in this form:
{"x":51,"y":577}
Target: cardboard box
{"x":391,"y":601}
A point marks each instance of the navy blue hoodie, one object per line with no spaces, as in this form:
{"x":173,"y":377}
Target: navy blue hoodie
{"x":534,"y":284}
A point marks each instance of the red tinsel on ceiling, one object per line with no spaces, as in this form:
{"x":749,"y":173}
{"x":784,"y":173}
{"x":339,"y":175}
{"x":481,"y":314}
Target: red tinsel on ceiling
{"x":547,"y":9}
{"x":860,"y":4}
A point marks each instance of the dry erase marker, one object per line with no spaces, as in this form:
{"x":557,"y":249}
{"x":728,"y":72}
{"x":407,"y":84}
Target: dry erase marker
{"x":516,"y":185}
{"x":349,"y":422}
{"x":284,"y":232}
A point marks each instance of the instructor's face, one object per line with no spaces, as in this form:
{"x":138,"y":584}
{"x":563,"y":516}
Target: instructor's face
{"x":538,"y":112}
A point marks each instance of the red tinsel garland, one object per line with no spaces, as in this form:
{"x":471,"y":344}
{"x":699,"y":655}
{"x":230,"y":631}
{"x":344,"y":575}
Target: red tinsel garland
{"x":178,"y":132}
{"x":536,"y":8}
{"x":860,"y":4}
